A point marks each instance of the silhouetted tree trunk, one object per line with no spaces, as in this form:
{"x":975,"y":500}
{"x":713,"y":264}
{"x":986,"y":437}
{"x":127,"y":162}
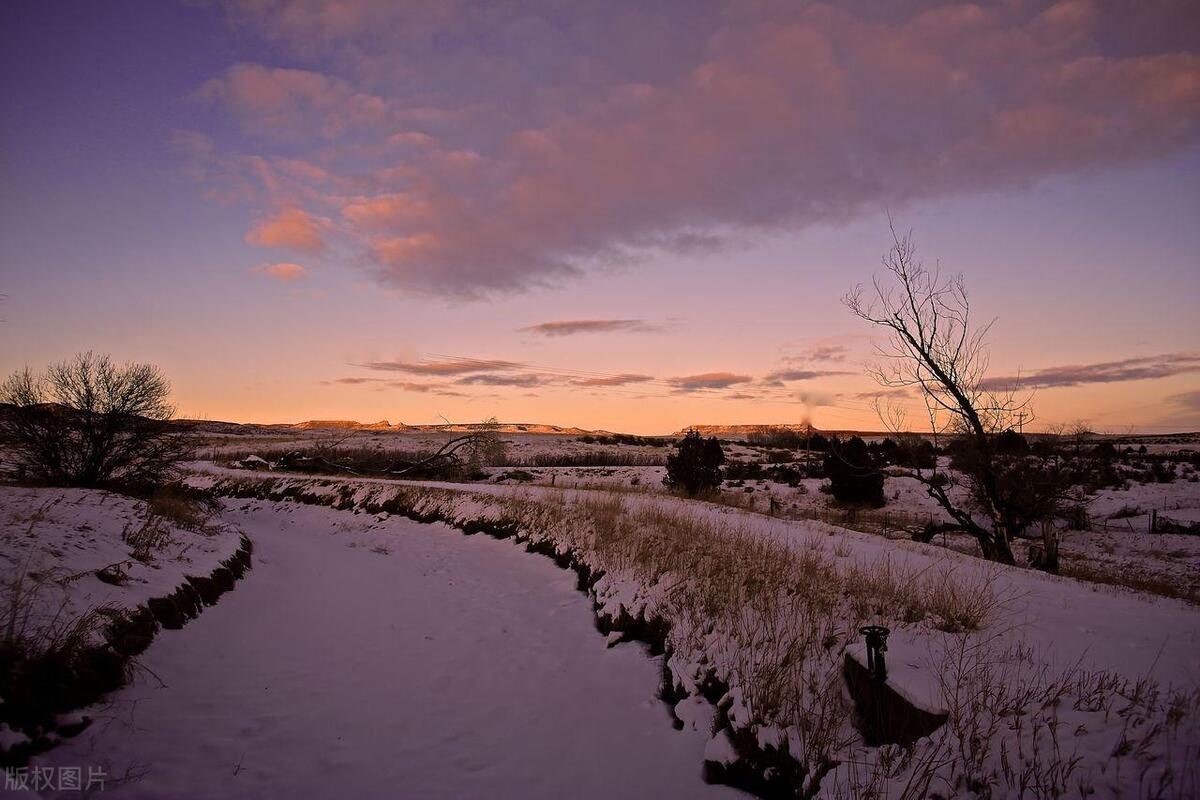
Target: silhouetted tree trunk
{"x":933,"y":348}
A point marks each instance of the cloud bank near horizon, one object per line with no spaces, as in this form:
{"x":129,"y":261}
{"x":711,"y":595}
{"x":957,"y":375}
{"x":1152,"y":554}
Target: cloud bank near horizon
{"x":571,"y":327}
{"x":1129,"y":369}
{"x":467,"y":148}
{"x":455,"y":376}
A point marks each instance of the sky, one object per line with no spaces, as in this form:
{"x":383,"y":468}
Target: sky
{"x":632,"y":216}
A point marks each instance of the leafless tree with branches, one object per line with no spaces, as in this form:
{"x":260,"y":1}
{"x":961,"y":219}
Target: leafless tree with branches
{"x":89,"y":421}
{"x":934,"y":347}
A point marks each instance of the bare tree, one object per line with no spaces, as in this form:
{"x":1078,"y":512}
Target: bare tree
{"x":89,"y":421}
{"x":480,"y":445}
{"x":934,"y":347}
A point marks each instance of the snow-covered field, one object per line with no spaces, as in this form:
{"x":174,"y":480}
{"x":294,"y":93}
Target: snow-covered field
{"x":372,"y":657}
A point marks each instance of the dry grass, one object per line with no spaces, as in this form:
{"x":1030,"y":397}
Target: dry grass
{"x":34,"y":626}
{"x":183,"y":509}
{"x":151,"y":536}
{"x":1014,"y":730}
{"x":587,"y":458}
{"x":1130,"y":577}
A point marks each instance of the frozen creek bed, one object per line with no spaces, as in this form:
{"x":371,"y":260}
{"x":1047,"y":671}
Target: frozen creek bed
{"x":369,"y":658}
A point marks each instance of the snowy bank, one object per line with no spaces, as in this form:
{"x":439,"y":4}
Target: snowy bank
{"x":88,"y":578}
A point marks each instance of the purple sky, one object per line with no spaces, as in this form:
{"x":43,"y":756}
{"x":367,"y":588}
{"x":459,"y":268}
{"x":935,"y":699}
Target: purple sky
{"x":625,"y":215}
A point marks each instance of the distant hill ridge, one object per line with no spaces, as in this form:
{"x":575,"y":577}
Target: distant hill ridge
{"x":383,"y":425}
{"x":742,"y":430}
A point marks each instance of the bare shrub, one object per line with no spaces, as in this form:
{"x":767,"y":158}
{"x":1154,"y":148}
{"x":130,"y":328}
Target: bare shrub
{"x":88,"y":422}
{"x":961,"y":602}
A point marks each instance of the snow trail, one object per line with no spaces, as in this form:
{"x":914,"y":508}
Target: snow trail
{"x":371,"y":659}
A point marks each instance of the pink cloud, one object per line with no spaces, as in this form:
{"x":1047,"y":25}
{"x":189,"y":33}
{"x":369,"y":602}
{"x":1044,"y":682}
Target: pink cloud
{"x":292,"y":228}
{"x":623,"y":379}
{"x":283,"y":271}
{"x":468,"y":149}
{"x":451,"y":367}
{"x":571,"y":327}
{"x":288,"y":103}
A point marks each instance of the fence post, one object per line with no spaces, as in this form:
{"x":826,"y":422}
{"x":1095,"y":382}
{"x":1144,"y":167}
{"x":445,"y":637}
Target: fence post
{"x":1153,"y":519}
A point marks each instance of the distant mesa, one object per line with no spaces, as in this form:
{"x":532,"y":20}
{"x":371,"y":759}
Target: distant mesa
{"x":345,"y":425}
{"x":210,"y":426}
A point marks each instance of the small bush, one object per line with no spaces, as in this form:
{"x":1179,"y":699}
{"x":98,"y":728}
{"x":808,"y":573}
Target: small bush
{"x":695,"y":466}
{"x":1012,"y":443}
{"x":852,"y":477}
{"x":911,"y":452}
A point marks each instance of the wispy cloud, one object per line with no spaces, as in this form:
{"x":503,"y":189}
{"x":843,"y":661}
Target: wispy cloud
{"x":1129,"y":369}
{"x":524,"y":381}
{"x":286,"y":272}
{"x":450,"y":367}
{"x":408,"y":386}
{"x":293,"y":104}
{"x":571,"y":327}
{"x":708,"y":380}
{"x":1189,"y":400}
{"x":790,"y":375}
{"x":820,"y":353}
{"x":623,"y":379}
{"x":878,"y":394}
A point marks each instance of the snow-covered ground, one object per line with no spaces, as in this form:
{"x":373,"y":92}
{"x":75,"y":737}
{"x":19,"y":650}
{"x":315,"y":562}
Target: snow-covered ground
{"x":1119,"y":657}
{"x":76,"y":550}
{"x":368,"y":657}
{"x":466,"y":667}
{"x":518,"y":446}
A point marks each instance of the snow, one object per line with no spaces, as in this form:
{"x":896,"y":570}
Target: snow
{"x":719,"y":750}
{"x":59,"y":539}
{"x":369,"y":657}
{"x":10,"y":738}
{"x":695,"y":713}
